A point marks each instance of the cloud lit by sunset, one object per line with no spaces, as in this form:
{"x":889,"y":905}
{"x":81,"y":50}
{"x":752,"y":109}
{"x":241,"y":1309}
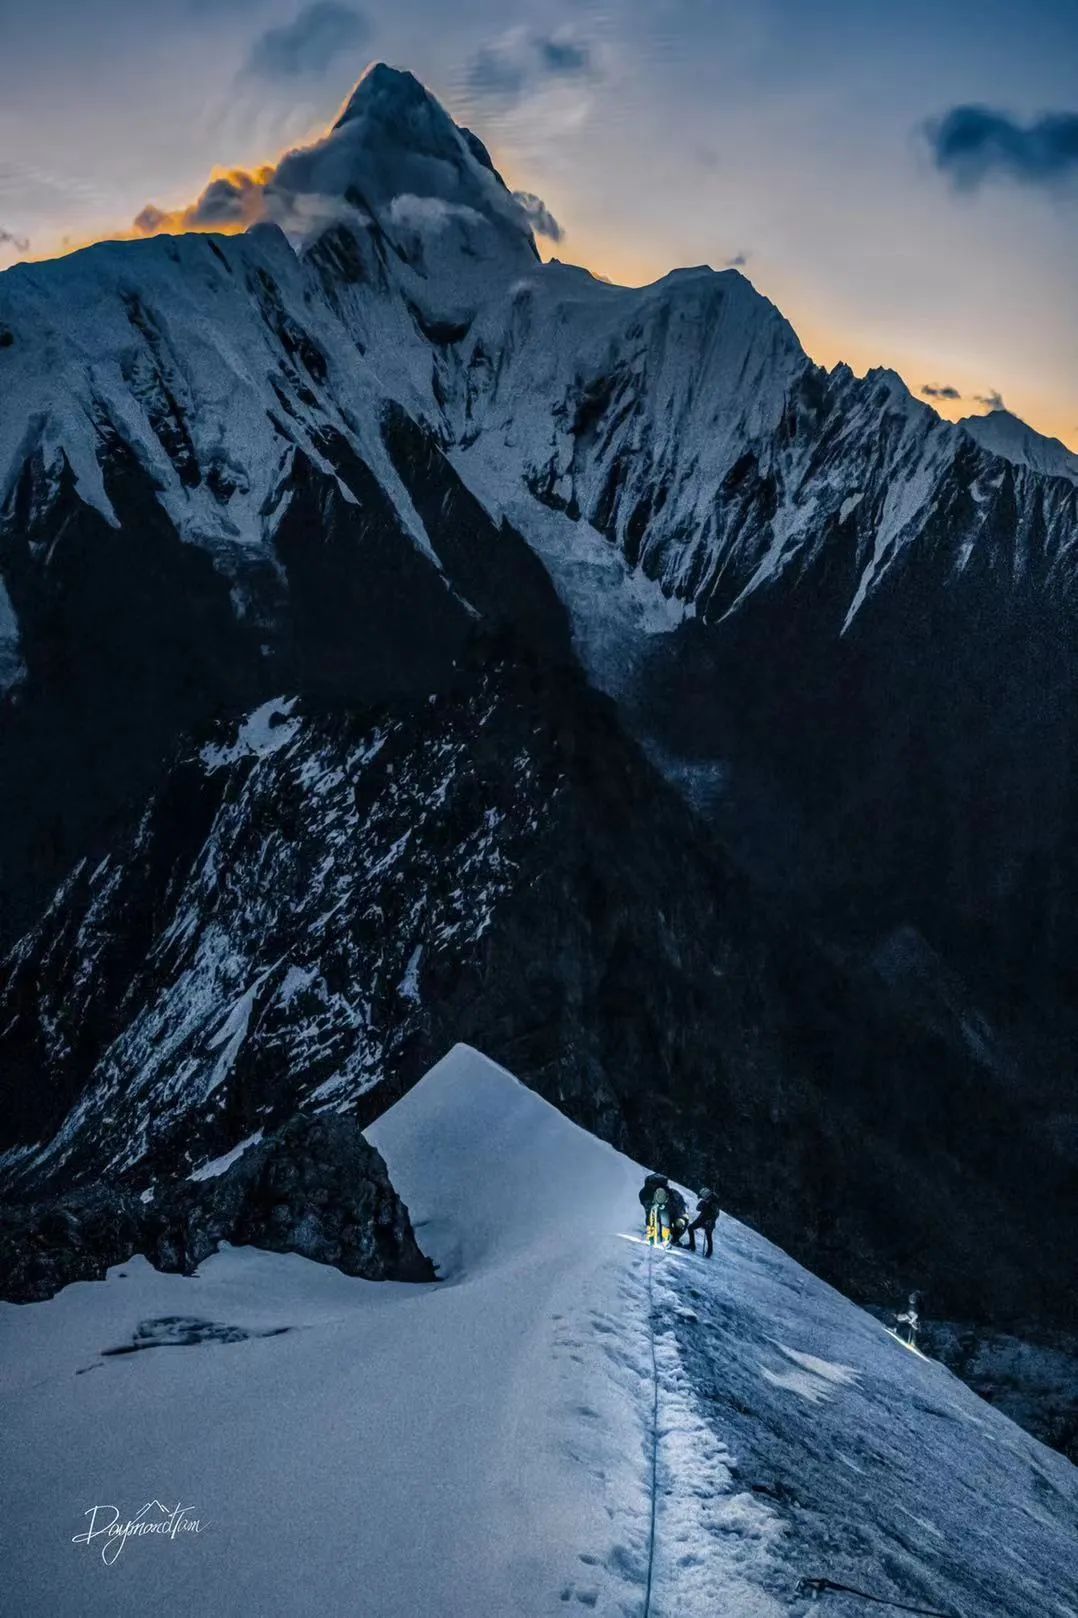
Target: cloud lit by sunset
{"x":231,"y":201}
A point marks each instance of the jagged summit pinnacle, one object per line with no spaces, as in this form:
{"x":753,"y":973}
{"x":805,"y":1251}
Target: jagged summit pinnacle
{"x":395,"y":97}
{"x":393,"y":107}
{"x":389,"y":93}
{"x":395,"y":152}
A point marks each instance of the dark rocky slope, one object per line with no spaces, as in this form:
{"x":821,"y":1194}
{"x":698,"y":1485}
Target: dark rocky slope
{"x":315,"y":1187}
{"x":130,"y":637}
{"x":308,"y":915}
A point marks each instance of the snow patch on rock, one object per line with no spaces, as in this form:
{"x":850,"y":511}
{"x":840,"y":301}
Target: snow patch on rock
{"x":264,"y":731}
{"x":217,"y":1165}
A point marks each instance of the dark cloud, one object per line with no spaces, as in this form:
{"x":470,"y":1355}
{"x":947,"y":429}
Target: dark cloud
{"x":224,"y":199}
{"x":493,"y":72}
{"x":738,"y":261}
{"x":311,"y":43}
{"x":522,"y":62}
{"x":563,"y":57}
{"x":21,"y":244}
{"x":152,"y":220}
{"x":940,"y":390}
{"x":993,"y":400}
{"x":538,"y":215}
{"x":972,"y":143}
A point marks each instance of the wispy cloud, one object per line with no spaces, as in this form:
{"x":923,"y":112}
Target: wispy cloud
{"x":308,"y":46}
{"x":940,"y":390}
{"x":562,"y":57}
{"x":29,"y":187}
{"x":738,"y":261}
{"x":992,"y":400}
{"x":971,"y":143}
{"x":523,"y":61}
{"x":8,"y":238}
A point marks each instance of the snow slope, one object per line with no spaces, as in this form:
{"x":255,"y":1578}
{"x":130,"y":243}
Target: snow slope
{"x":563,"y":1423}
{"x":1008,"y":436}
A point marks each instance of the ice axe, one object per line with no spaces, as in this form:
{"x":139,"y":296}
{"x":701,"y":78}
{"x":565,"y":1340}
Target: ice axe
{"x":815,"y":1588}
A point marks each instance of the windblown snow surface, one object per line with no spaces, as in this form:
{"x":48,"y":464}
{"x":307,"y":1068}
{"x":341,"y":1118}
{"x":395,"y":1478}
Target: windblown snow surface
{"x":564,"y":1422}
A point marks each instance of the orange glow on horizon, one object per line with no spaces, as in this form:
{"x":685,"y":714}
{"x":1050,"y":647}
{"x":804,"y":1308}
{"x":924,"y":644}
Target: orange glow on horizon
{"x":628,"y":264}
{"x":631,"y":263}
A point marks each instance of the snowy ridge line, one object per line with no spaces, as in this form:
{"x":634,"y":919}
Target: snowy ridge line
{"x":548,"y":1446}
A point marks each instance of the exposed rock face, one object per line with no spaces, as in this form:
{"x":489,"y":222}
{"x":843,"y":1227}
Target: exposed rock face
{"x":126,"y":651}
{"x":316,"y":1188}
{"x":46,"y":1245}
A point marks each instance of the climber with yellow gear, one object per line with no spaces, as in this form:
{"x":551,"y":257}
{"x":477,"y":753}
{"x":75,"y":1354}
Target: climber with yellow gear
{"x":664,"y":1207}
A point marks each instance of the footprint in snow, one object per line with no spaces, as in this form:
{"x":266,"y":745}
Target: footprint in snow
{"x":586,"y":1598}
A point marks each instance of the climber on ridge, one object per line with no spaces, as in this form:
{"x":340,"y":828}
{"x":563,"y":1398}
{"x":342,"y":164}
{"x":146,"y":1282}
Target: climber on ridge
{"x":667,"y":1216}
{"x":657,"y":1209}
{"x":909,"y":1321}
{"x":706,"y":1218}
{"x":648,"y":1190}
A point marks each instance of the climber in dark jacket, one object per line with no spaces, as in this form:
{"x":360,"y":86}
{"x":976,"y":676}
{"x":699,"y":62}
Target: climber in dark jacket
{"x":677,"y":1215}
{"x":707,"y":1215}
{"x":653,"y":1195}
{"x":649,"y":1188}
{"x":667,"y":1218}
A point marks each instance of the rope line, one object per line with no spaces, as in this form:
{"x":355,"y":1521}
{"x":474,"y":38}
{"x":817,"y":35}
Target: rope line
{"x":806,"y":1586}
{"x":654,"y":1435}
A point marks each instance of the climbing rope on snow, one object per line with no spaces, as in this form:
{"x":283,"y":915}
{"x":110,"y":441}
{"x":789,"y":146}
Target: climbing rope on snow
{"x":819,"y":1587}
{"x":814,"y":1587}
{"x":654,"y":1436}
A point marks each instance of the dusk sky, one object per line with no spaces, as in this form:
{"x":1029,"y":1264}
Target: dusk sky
{"x":901,"y":179}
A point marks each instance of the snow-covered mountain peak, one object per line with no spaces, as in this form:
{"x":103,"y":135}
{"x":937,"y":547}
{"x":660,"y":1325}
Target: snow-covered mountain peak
{"x":395,"y":154}
{"x":390,"y":121}
{"x":396,"y":108}
{"x":388,"y":93}
{"x":1007,"y":435}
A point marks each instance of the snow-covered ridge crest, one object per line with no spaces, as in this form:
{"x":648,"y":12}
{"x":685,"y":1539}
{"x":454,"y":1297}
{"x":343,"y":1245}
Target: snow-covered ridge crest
{"x":1004,"y":434}
{"x":683,"y":419}
{"x":625,"y":1427}
{"x":207,"y":359}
